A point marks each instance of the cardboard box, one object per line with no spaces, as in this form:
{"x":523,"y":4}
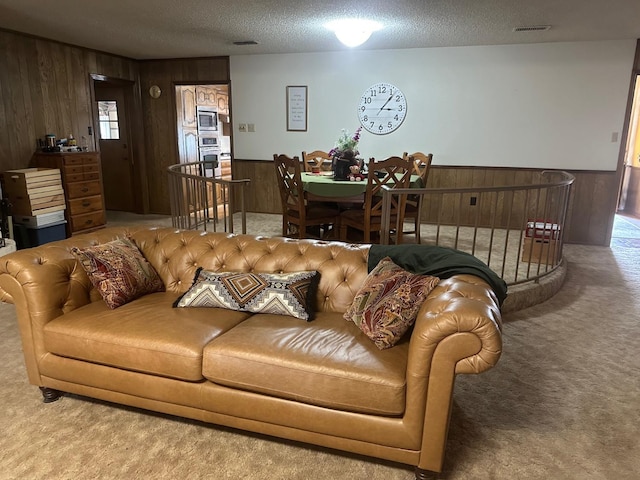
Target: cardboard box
{"x":542,"y":229}
{"x":39,"y":220}
{"x":26,"y":180}
{"x":33,"y":191}
{"x":37,"y":203}
{"x":540,"y":250}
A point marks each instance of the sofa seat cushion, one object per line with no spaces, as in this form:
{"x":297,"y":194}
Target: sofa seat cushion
{"x":328,"y":362}
{"x":145,"y":335}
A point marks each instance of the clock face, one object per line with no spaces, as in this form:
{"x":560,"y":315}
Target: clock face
{"x":155,"y":92}
{"x":382,"y":108}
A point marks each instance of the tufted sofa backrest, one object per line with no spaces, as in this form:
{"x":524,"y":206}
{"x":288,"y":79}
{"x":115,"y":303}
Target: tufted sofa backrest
{"x":176,"y":255}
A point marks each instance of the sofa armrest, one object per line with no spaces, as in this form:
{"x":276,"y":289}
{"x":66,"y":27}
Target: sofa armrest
{"x":463,"y":303}
{"x":50,"y":281}
{"x":43,"y":283}
{"x":458,"y":330}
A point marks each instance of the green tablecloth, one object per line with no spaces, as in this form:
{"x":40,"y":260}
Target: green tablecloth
{"x":326,"y":186}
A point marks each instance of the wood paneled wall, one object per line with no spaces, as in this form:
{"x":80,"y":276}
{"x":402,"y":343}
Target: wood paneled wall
{"x":159,"y":115}
{"x":45,"y":88}
{"x":589,"y":213}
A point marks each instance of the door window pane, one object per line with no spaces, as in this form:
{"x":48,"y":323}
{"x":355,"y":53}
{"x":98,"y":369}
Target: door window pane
{"x":108,"y":119}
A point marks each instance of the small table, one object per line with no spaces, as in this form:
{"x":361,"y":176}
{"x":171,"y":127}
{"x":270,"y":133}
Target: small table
{"x":322,"y":187}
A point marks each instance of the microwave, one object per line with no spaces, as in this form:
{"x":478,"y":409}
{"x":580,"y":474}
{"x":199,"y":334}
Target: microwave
{"x":207,"y":118}
{"x":208,"y":140}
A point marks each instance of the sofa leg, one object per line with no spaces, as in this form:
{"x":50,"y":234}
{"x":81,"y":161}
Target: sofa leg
{"x":50,"y":395}
{"x":426,"y":474}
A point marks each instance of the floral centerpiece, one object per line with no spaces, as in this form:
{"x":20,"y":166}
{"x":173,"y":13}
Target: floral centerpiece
{"x":345,"y":154}
{"x":346,"y":146}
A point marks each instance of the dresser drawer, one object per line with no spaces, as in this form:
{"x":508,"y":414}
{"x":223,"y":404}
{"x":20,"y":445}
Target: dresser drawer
{"x":73,"y":170}
{"x":87,"y":220}
{"x":78,"y":174}
{"x":74,"y":177}
{"x":83,"y":189}
{"x":79,"y":159}
{"x":74,"y":160}
{"x":85,"y":205}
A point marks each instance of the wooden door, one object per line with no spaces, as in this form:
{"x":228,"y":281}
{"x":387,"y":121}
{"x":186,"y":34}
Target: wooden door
{"x":187,"y":124}
{"x":115,"y":148}
{"x":186,"y":98}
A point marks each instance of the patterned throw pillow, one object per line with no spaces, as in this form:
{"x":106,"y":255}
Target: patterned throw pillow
{"x":119,"y":271}
{"x":280,"y":294}
{"x":387,"y":304}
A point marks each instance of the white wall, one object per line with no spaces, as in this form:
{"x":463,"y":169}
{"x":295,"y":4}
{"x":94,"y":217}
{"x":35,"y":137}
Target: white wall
{"x":553,"y":105}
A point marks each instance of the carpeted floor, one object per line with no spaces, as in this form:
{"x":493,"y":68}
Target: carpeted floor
{"x":562,"y":403}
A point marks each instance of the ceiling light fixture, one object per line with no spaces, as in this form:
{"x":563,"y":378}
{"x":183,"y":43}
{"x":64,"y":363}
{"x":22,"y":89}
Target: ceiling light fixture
{"x":353,"y":32}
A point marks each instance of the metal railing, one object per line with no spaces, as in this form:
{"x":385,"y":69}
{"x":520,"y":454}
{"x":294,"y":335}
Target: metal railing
{"x":200,"y":202}
{"x":518,"y":231}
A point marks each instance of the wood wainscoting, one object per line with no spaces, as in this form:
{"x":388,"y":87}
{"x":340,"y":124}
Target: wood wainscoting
{"x":589,"y":218}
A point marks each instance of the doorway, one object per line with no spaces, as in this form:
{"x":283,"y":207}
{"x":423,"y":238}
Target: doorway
{"x":112,"y":113}
{"x":204,"y":135}
{"x":629,"y":197}
{"x":209,"y":102}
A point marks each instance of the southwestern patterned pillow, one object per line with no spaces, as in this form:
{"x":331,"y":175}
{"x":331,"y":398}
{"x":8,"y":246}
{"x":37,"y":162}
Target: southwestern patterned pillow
{"x":119,"y":271}
{"x":387,"y":304}
{"x":280,"y":294}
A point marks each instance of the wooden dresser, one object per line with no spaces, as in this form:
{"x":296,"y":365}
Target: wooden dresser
{"x":82,"y":184}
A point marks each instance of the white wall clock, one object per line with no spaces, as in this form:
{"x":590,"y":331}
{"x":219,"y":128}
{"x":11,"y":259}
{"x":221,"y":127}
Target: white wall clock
{"x":154,"y":91}
{"x":382,"y":108}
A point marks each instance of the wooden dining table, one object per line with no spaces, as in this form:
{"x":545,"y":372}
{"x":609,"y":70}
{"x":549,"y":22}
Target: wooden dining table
{"x":322,"y":187}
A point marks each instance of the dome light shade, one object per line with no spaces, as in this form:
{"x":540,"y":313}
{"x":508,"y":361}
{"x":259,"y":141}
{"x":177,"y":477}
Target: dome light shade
{"x":353,"y":32}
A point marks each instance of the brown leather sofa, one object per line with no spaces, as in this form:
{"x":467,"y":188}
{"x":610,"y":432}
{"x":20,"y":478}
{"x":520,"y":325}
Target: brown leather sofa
{"x":322,"y":382}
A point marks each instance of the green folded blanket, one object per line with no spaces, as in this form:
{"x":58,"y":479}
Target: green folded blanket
{"x":441,"y":262}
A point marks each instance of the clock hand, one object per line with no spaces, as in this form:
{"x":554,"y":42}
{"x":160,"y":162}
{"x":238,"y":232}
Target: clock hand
{"x":385,"y":103}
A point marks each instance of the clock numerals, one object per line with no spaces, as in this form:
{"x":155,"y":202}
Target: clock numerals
{"x":381,"y":89}
{"x":382,"y":108}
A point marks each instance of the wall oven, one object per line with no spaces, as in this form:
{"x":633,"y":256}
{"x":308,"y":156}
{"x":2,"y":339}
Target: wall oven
{"x":207,"y":119}
{"x":210,"y":158}
{"x":208,"y":140}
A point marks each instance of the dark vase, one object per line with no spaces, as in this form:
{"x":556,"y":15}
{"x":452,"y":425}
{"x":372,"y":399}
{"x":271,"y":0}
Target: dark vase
{"x":341,"y":164}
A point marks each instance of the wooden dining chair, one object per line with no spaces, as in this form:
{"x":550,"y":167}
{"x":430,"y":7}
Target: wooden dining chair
{"x":317,"y":158}
{"x":295,"y":209}
{"x":394,"y":172}
{"x":413,"y":208}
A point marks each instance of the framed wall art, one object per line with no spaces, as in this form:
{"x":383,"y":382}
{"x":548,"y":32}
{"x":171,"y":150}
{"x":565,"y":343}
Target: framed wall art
{"x":297,"y":108}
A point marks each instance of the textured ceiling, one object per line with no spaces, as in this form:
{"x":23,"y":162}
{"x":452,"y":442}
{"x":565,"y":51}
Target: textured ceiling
{"x":145,"y":29}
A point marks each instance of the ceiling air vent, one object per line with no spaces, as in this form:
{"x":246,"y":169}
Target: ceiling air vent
{"x":532,"y":28}
{"x":246,"y":42}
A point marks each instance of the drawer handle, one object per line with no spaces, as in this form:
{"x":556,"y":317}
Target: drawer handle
{"x":88,"y":222}
{"x":84,"y":190}
{"x":86,"y":204}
